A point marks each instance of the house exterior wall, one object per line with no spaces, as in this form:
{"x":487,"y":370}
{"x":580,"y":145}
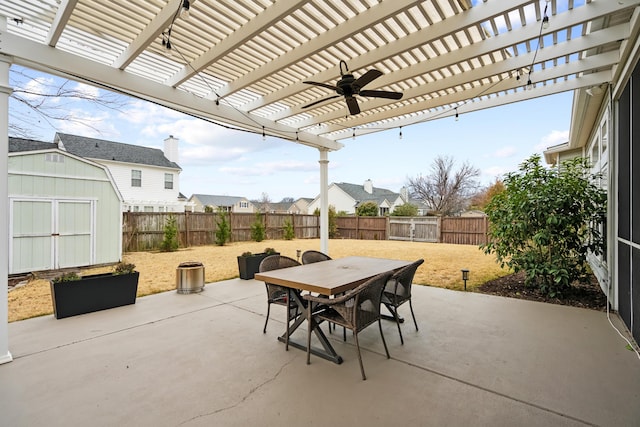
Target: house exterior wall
{"x":56,"y":186}
{"x":337,"y":198}
{"x":241,"y":206}
{"x":151,"y":194}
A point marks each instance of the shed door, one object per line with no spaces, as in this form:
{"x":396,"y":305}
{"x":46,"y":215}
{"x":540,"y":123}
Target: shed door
{"x":51,"y":234}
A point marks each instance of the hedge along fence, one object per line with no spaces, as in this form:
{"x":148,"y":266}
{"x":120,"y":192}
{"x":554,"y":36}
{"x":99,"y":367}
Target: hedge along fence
{"x":142,"y":231}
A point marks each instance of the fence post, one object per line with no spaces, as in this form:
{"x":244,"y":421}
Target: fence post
{"x":187,"y":236}
{"x":439,"y":229}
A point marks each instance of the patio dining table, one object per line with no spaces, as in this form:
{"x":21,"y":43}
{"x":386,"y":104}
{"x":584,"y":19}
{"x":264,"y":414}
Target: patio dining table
{"x":328,"y":278}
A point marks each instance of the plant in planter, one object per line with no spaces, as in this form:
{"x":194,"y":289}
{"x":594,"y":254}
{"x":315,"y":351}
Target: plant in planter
{"x":72,"y":294}
{"x":249,"y":263}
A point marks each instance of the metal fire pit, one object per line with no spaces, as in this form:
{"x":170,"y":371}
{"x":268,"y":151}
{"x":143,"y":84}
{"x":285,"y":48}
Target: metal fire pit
{"x":190,"y":277}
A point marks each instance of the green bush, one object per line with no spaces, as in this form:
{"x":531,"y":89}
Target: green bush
{"x":406,"y":209}
{"x":289,"y":232}
{"x":367,"y":209}
{"x":223,"y":230}
{"x":258,"y":231}
{"x":170,"y":241}
{"x":546,"y":221}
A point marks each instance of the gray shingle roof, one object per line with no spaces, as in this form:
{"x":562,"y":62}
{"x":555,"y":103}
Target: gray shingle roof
{"x":18,"y":145}
{"x":211,"y":200}
{"x":357,"y":192}
{"x":93,"y":148}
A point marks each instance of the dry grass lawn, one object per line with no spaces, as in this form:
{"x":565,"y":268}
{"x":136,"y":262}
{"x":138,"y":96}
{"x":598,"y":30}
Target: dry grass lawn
{"x":442,"y":266}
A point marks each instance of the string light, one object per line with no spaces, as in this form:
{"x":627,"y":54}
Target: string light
{"x":400,"y":135}
{"x":264,"y":137}
{"x":354,"y":134}
{"x":184,"y":12}
{"x":456,"y":114}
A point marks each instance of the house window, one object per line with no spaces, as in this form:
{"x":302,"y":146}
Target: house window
{"x":384,"y":211}
{"x":136,"y":178}
{"x":244,"y":204}
{"x":136,"y":208}
{"x":168,"y":181}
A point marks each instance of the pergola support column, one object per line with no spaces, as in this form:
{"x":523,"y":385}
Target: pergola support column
{"x":5,"y":92}
{"x":324,"y":201}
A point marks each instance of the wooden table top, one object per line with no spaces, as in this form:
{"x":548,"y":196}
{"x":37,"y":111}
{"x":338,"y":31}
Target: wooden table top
{"x":331,"y":277}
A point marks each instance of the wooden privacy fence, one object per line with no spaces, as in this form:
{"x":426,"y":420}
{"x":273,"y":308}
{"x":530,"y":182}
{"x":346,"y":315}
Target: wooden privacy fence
{"x":142,"y":231}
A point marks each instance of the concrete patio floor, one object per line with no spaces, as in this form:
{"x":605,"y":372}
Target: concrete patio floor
{"x":202,"y":360}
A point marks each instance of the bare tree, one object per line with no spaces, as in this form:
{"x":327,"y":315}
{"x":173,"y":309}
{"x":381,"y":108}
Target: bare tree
{"x":265,"y":202}
{"x":50,"y":102}
{"x":444,"y":190}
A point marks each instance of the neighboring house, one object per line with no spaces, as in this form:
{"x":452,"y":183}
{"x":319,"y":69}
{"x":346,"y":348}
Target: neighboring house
{"x":301,"y":206}
{"x":147,"y":178}
{"x":346,"y":197}
{"x":64,"y":210}
{"x":221,"y":203}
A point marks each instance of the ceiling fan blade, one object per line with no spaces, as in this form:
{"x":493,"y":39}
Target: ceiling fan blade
{"x":381,"y":94}
{"x":352,"y":103}
{"x":328,"y":86}
{"x":368,"y":77}
{"x":320,"y":100}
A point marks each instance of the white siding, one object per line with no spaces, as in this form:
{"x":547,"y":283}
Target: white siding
{"x":340,"y":200}
{"x":152,"y":192}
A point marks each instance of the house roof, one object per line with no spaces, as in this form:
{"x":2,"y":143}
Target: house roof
{"x":212,"y":200}
{"x":357,"y":192}
{"x":93,"y":148}
{"x":244,"y":63}
{"x":18,"y":145}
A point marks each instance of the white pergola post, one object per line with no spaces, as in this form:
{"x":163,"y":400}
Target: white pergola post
{"x":5,"y":92}
{"x":324,"y":201}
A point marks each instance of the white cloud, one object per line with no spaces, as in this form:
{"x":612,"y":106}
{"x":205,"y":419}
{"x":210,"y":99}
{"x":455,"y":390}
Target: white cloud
{"x":554,"y":137}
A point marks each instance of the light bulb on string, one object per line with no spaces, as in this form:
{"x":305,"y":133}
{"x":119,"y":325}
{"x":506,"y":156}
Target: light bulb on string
{"x":457,"y":117}
{"x":264,"y":137}
{"x":184,"y":11}
{"x":354,"y":134}
{"x":400,"y":134}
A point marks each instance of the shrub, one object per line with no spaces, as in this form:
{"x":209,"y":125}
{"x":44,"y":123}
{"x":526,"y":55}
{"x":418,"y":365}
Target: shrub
{"x":546,"y":221}
{"x":170,"y":241}
{"x":270,"y":251}
{"x":367,"y":209}
{"x":124,"y":268}
{"x":257,"y":229}
{"x":289,"y":232}
{"x":223,"y":230}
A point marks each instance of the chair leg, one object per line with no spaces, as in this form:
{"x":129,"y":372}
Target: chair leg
{"x":264,"y":331}
{"x":412,"y":315}
{"x":383,"y":340}
{"x":394,"y":311}
{"x":309,"y":327}
{"x":355,"y":335}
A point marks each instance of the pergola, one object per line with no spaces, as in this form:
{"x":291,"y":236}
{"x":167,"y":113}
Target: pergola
{"x":243,"y":64}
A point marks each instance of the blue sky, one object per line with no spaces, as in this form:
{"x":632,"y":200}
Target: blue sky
{"x":215,"y":160}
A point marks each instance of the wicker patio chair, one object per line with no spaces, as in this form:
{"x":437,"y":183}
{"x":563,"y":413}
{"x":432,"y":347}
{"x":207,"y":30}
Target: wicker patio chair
{"x":355,"y":310}
{"x":398,"y":291}
{"x":309,"y":257}
{"x":280,"y":295}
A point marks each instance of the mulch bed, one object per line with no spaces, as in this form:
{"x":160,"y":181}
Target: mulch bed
{"x":585,"y":295}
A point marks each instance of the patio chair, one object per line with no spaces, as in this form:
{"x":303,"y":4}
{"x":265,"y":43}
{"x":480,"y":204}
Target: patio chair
{"x":309,"y":257}
{"x":398,"y":291}
{"x":279,"y":295}
{"x":355,"y":310}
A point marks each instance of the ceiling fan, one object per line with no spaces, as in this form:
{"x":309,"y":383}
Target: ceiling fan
{"x":348,"y":86}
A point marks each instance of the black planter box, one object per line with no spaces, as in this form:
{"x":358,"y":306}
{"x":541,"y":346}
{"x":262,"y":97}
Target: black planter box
{"x":93,"y":293}
{"x":249,"y":265}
